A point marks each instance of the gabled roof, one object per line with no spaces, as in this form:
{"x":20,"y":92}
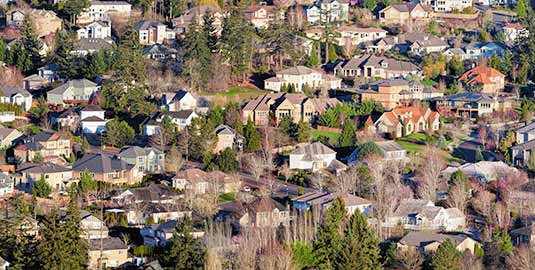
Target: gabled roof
{"x":9,"y":91}
{"x":109,"y":243}
{"x":313,"y":149}
{"x":42,"y":168}
{"x":159,"y":49}
{"x":481,"y":75}
{"x":145,"y":25}
{"x":77,"y":84}
{"x":469,"y":97}
{"x":100,"y":163}
{"x":132,"y":151}
{"x":529,"y":128}
{"x":88,"y":44}
{"x":408,"y":7}
{"x":298,"y":70}
{"x":92,"y":108}
{"x":421,"y":239}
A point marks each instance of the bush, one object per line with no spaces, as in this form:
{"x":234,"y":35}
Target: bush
{"x":41,"y":188}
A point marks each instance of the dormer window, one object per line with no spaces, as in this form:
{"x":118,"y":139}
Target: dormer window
{"x":384,"y":64}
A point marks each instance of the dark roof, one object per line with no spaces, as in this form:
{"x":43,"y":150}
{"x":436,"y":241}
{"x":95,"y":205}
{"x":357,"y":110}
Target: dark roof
{"x":132,"y":151}
{"x":91,"y":108}
{"x":153,"y":192}
{"x":469,"y":96}
{"x":100,"y":163}
{"x":420,"y":239}
{"x":110,"y":243}
{"x":529,"y":128}
{"x":41,"y":168}
{"x":144,"y":25}
{"x":76,"y":84}
{"x":95,"y":44}
{"x":8,"y":91}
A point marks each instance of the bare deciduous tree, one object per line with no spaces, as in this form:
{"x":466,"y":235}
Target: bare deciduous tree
{"x":458,"y":197}
{"x":345,"y":182}
{"x":523,"y":258}
{"x":409,"y":259}
{"x":429,"y":174}
{"x":482,"y":202}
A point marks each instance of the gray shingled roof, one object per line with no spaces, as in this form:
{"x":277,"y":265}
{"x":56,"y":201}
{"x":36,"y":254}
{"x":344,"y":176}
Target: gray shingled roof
{"x":9,"y":91}
{"x":42,"y":168}
{"x":420,"y":239}
{"x":313,"y":149}
{"x":74,"y":84}
{"x":100,"y":163}
{"x":110,"y":243}
{"x":132,"y":151}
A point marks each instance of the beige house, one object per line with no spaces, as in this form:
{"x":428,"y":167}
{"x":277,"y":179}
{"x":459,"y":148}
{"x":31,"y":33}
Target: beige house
{"x":261,"y":212}
{"x":107,"y":252}
{"x":92,"y":227}
{"x":404,"y":13}
{"x":356,"y":35}
{"x":415,"y":214}
{"x":107,"y":168}
{"x":152,"y":32}
{"x":197,"y":182}
{"x":44,"y":21}
{"x":393,"y":93}
{"x":369,"y":66}
{"x":104,"y":11}
{"x":280,"y":105}
{"x":406,"y":120}
{"x":49,"y":145}
{"x":227,"y":137}
{"x":57,"y":176}
{"x":182,"y":23}
{"x":428,"y":242}
{"x":302,"y":78}
{"x":448,"y":6}
{"x":262,"y":15}
{"x":8,"y":136}
{"x":486,"y":79}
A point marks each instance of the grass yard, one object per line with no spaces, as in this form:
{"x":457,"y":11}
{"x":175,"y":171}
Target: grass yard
{"x":331,"y":135}
{"x":416,"y":143}
{"x":241,"y":91}
{"x":227,"y":197}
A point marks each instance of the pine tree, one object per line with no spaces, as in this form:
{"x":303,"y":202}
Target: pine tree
{"x":30,"y":43}
{"x":329,"y":242}
{"x":361,"y":246}
{"x":118,"y":133}
{"x":521,"y":8}
{"x":73,"y":8}
{"x":77,"y":258}
{"x":252,"y":137}
{"x":63,"y":57}
{"x":226,"y":161}
{"x":237,"y":44}
{"x":3,"y":51}
{"x":456,"y":66}
{"x":200,"y":138}
{"x":210,"y":31}
{"x":41,"y":188}
{"x":479,"y":155}
{"x":447,"y":257}
{"x":313,"y":59}
{"x":185,"y":252}
{"x":348,"y":136}
{"x":304,"y":131}
{"x":197,"y":57}
{"x":51,"y":249}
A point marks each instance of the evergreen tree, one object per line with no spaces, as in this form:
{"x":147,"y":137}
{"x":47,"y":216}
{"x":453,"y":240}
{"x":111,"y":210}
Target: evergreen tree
{"x":118,"y":133}
{"x":361,"y":246}
{"x":3,"y":51}
{"x":447,"y":257}
{"x":87,"y":183}
{"x":197,"y":57}
{"x":77,"y":247}
{"x":348,"y":136}
{"x":73,"y":8}
{"x":63,"y":58}
{"x":30,"y":42}
{"x":210,"y":31}
{"x":456,"y":66}
{"x":521,"y":8}
{"x":185,"y":252}
{"x":216,"y":117}
{"x":304,"y":131}
{"x":226,"y":161}
{"x":329,"y":242}
{"x":41,"y":188}
{"x":200,"y":137}
{"x":313,"y":59}
{"x":287,"y":126}
{"x":237,"y":44}
{"x":51,"y":249}
{"x":252,"y":137}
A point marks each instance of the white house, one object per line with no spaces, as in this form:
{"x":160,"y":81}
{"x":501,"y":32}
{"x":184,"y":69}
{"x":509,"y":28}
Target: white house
{"x":479,"y":49}
{"x":93,"y":119}
{"x":325,"y":199}
{"x":97,"y":29}
{"x":181,"y":119}
{"x":390,"y":150}
{"x":447,"y":6}
{"x":416,"y":214}
{"x":15,"y":95}
{"x":7,"y":185}
{"x":3,"y":264}
{"x":356,"y":35}
{"x":512,"y":31}
{"x":104,"y":10}
{"x":92,"y":227}
{"x":301,"y":77}
{"x":314,"y":156}
{"x":328,"y":11}
{"x":178,"y":101}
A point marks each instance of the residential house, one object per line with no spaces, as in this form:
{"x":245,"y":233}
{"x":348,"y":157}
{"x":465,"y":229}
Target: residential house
{"x":372,"y":66}
{"x":448,"y":6}
{"x":260,"y":212}
{"x":280,"y":105}
{"x":160,"y":52}
{"x":92,"y":227}
{"x":404,"y":13}
{"x":87,"y":46}
{"x":356,"y":35}
{"x":193,"y":180}
{"x":328,"y":11}
{"x":393,"y":93}
{"x":139,"y":214}
{"x":178,"y":101}
{"x":7,"y":186}
{"x":73,"y":92}
{"x":44,"y":76}
{"x":104,"y":11}
{"x":472,"y":104}
{"x":9,"y":137}
{"x":146,"y":160}
{"x":108,"y":252}
{"x":525,"y":133}
{"x":181,"y":119}
{"x":302,"y":78}
{"x":44,"y":21}
{"x":414,"y":43}
{"x":428,"y":242}
{"x":480,"y":49}
{"x":390,"y":150}
{"x":458,"y":53}
{"x":524,"y":235}
{"x":154,"y":193}
{"x":482,"y":172}
{"x":406,"y":120}
{"x":262,"y":15}
{"x":160,"y":234}
{"x":182,"y":23}
{"x":227,"y":137}
{"x":49,"y":145}
{"x":16,"y":95}
{"x":513,"y":31}
{"x":107,"y":168}
{"x":323,"y":200}
{"x":487,"y":79}
{"x":416,"y":214}
{"x":315,"y":156}
{"x":69,"y":118}
{"x":224,"y":183}
{"x":96,"y":29}
{"x":152,"y":32}
{"x":57,"y":176}
{"x":521,"y":153}
{"x":93,"y":119}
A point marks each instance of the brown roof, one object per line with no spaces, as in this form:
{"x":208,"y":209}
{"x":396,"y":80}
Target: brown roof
{"x":480,"y":75}
{"x":421,"y":239}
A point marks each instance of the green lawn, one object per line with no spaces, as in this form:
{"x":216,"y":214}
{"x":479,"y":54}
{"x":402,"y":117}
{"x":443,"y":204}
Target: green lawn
{"x":411,"y":147}
{"x":227,"y":197}
{"x":234,"y":91}
{"x":332,"y":135}
{"x":416,"y":142}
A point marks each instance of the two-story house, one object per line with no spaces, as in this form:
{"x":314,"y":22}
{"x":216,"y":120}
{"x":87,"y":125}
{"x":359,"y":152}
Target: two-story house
{"x":485,"y":79}
{"x":7,"y":185}
{"x":525,"y":144}
{"x":107,"y":168}
{"x":323,"y":200}
{"x":181,"y":119}
{"x":16,"y":95}
{"x":146,"y":160}
{"x":353,"y":35}
{"x":104,"y":11}
{"x":413,"y":43}
{"x":182,"y":23}
{"x":44,"y":21}
{"x":392,"y":93}
{"x":513,"y":31}
{"x":93,"y":119}
{"x":479,"y":49}
{"x":96,"y":29}
{"x":262,"y":15}
{"x":328,"y":11}
{"x":389,"y":150}
{"x":92,"y":227}
{"x":48,"y":145}
{"x":107,"y":252}
{"x":406,"y":120}
{"x":404,"y":13}
{"x":43,"y":77}
{"x":428,"y":242}
{"x":448,"y":6}
{"x":371,"y":66}
{"x":57,"y":176}
{"x":73,"y":92}
{"x":473,"y":105}
{"x":261,"y":212}
{"x":301,"y":77}
{"x":227,"y":137}
{"x":178,"y":101}
{"x":417,"y":215}
{"x":152,"y":32}
{"x":315,"y":156}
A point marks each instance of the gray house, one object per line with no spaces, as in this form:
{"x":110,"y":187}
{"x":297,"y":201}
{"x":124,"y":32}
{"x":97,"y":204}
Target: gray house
{"x":73,"y":92}
{"x":147,"y":159}
{"x":525,"y":144}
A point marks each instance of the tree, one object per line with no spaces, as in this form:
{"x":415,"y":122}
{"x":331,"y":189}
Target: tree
{"x":456,"y":66}
{"x":77,"y":247}
{"x":360,"y":246}
{"x":303,"y":255}
{"x":313,"y":59}
{"x":199,"y":139}
{"x":87,"y":183}
{"x":447,"y":257}
{"x":197,"y":57}
{"x":329,"y":242}
{"x":3,"y":51}
{"x":185,"y":252}
{"x":31,"y":44}
{"x":41,"y":188}
{"x":63,"y":58}
{"x":252,"y":137}
{"x":348,"y":137}
{"x":370,"y":4}
{"x":216,"y":117}
{"x":287,"y":126}
{"x":73,"y":8}
{"x":226,"y":161}
{"x":409,"y":259}
{"x":369,"y":149}
{"x":429,"y":173}
{"x":523,"y":258}
{"x":521,"y":8}
{"x":118,"y":133}
{"x":237,"y":44}
{"x":209,"y":31}
{"x":51,"y":248}
{"x":304,"y":131}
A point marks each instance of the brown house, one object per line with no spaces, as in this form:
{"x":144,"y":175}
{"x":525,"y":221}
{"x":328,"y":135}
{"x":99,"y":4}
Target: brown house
{"x":107,"y":252}
{"x":261,"y":212}
{"x":105,"y":168}
{"x":296,"y":106}
{"x":406,"y":120}
{"x":489,"y":80}
{"x":49,"y":145}
{"x":404,"y":12}
{"x":393,"y":93}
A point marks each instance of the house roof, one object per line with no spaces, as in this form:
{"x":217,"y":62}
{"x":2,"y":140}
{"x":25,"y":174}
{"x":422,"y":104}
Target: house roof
{"x":326,"y":198}
{"x":411,"y":206}
{"x":469,"y":96}
{"x":154,"y":192}
{"x":422,"y":39}
{"x":298,"y":70}
{"x":93,"y":118}
{"x":41,"y":168}
{"x":408,"y":7}
{"x":78,"y":84}
{"x":159,"y":49}
{"x":359,"y":62}
{"x":389,"y":146}
{"x":109,"y":243}
{"x":9,"y":91}
{"x":313,"y":149}
{"x":145,"y":25}
{"x":93,"y":44}
{"x":422,"y":238}
{"x":132,"y":151}
{"x":100,"y":163}
{"x":352,"y":28}
{"x":529,"y":145}
{"x":529,"y":128}
{"x":481,"y":75}
{"x":517,"y":26}
{"x":4,"y":132}
{"x":186,"y":18}
{"x":192,"y":175}
{"x":92,"y":108}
